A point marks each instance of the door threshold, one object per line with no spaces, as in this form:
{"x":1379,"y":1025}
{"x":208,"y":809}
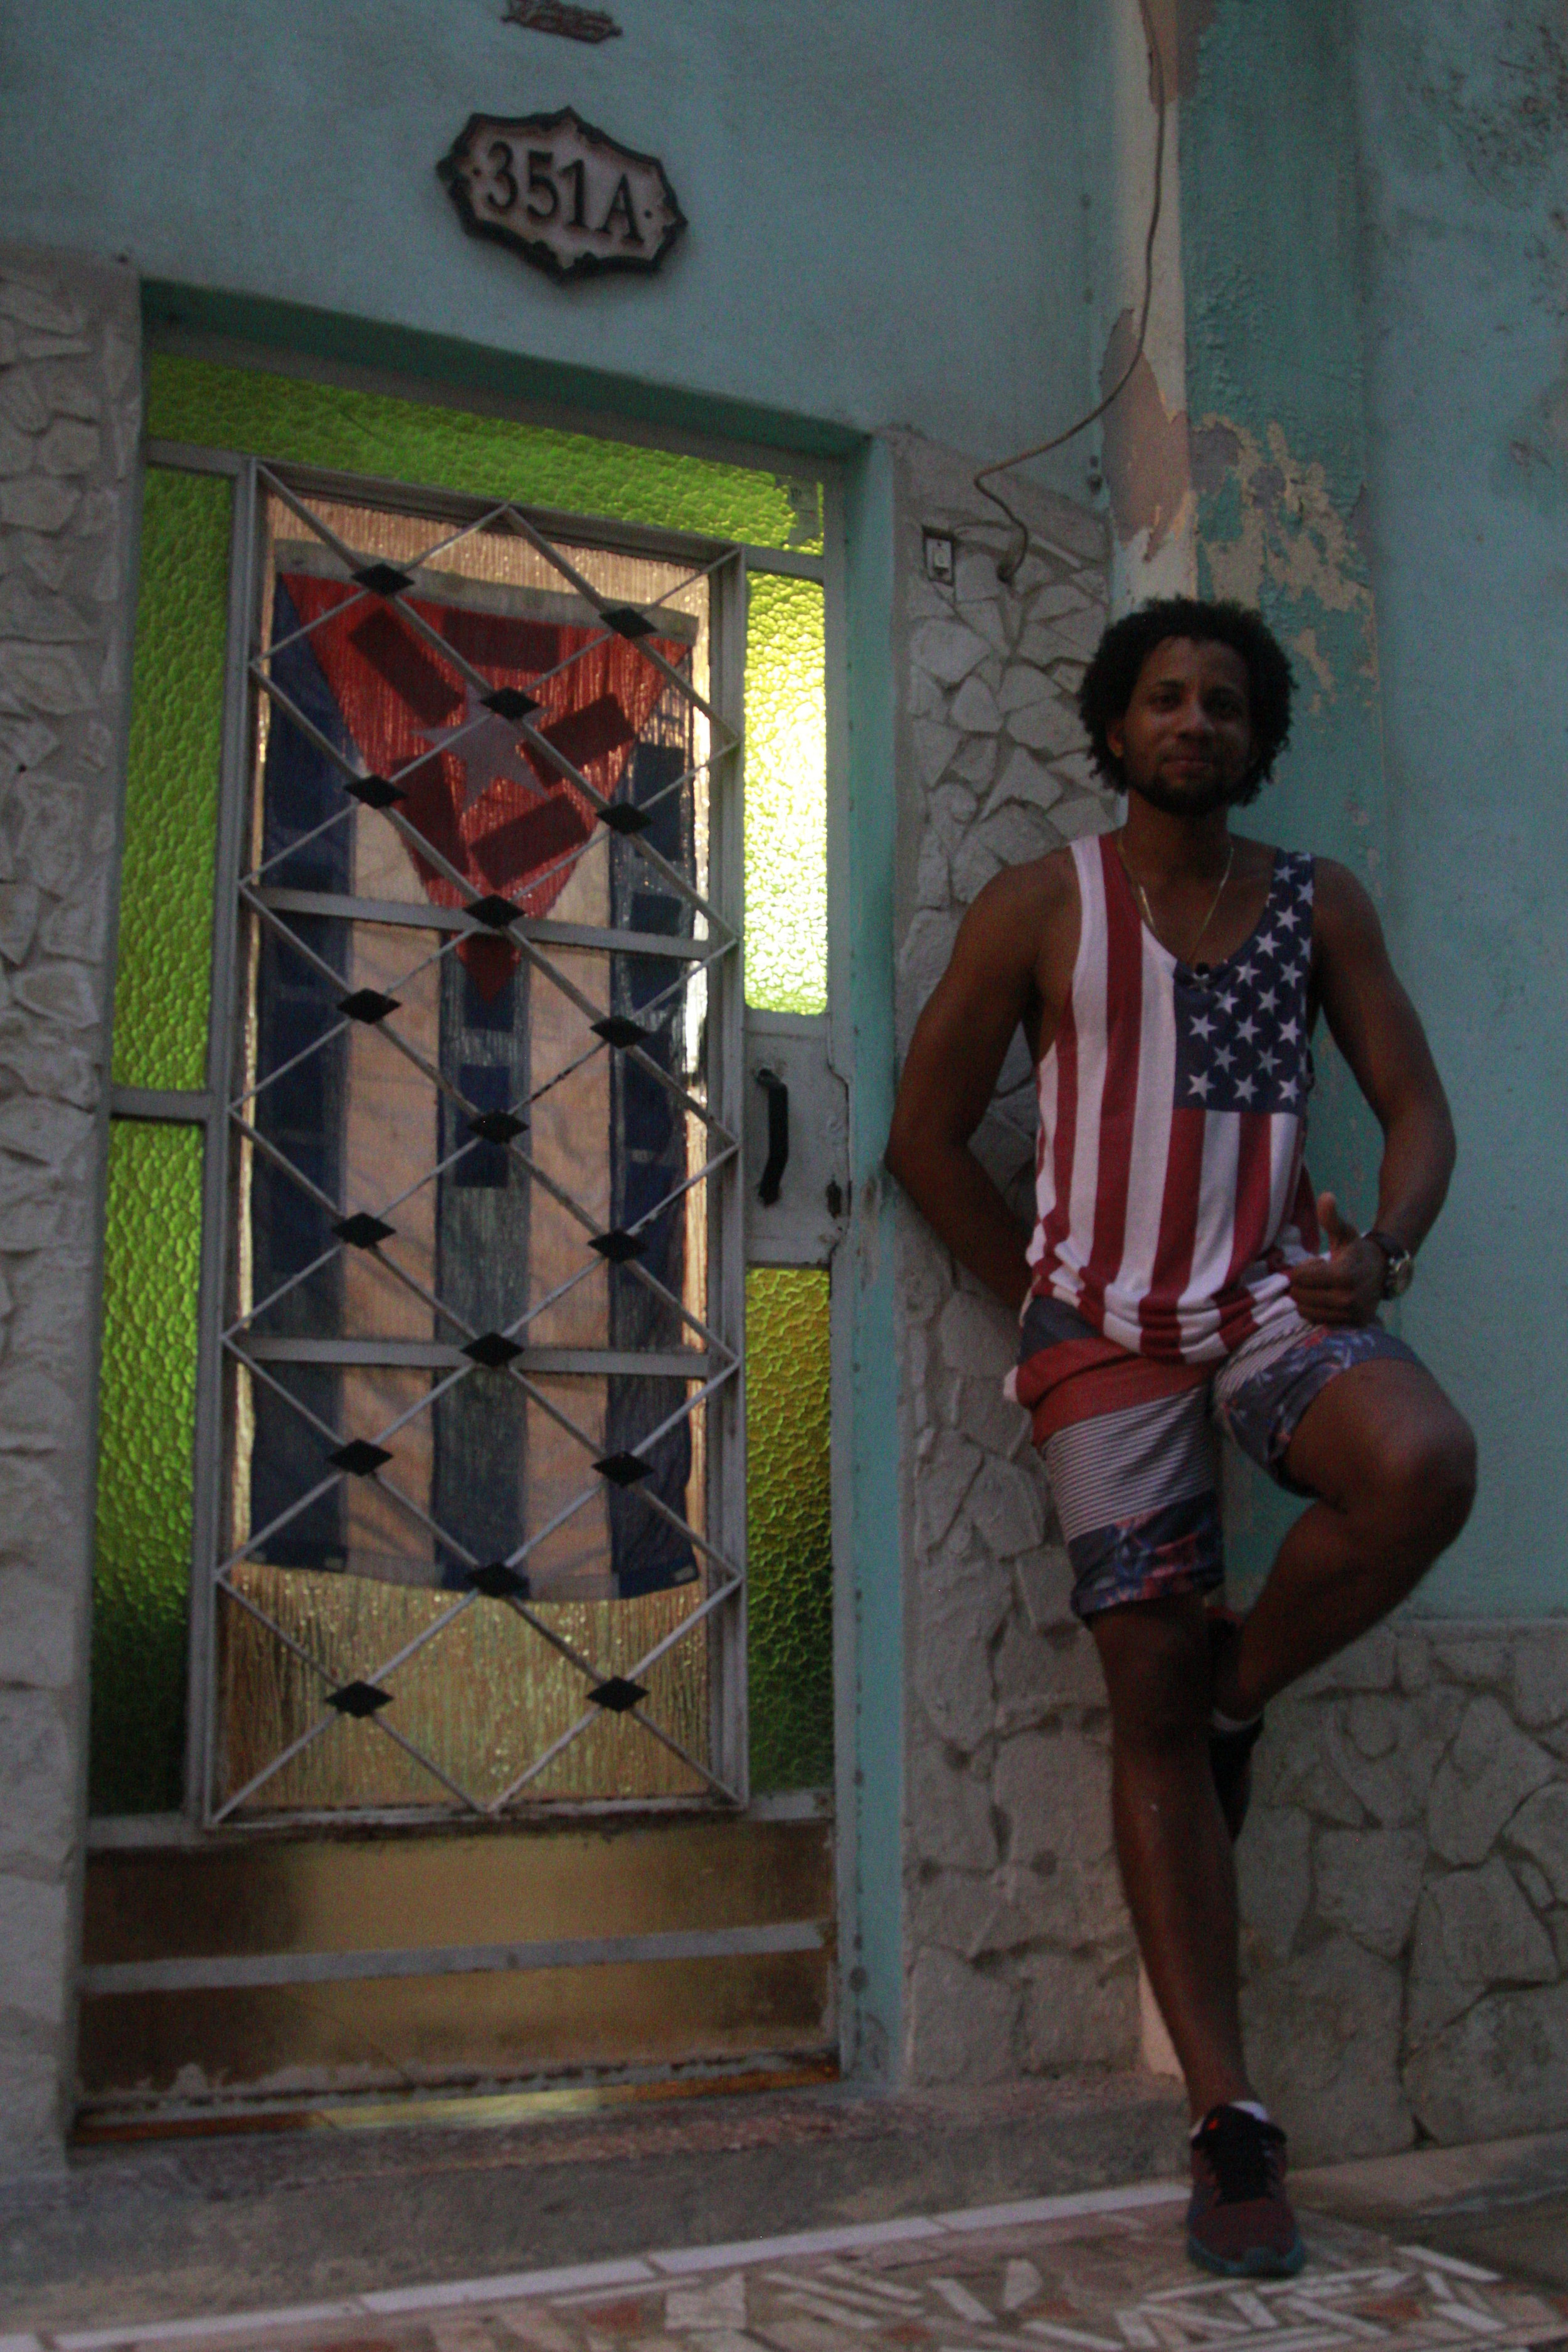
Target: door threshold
{"x":446,"y":2110}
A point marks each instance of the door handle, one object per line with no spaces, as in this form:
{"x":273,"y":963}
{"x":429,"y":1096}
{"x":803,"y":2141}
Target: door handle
{"x":778,"y":1136}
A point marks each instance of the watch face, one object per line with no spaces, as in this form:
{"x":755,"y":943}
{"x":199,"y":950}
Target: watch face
{"x":1398,"y":1280}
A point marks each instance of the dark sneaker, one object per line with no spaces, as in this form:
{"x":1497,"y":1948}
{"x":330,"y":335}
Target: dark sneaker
{"x":1239,"y":2222}
{"x":1230,"y":1761}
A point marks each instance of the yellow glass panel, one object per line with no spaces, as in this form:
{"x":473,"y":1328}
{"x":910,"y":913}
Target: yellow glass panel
{"x":481,"y":1699}
{"x":787,"y":797}
{"x":146,"y":1423}
{"x":789,"y":1605}
{"x":161,"y":984}
{"x":292,"y":422}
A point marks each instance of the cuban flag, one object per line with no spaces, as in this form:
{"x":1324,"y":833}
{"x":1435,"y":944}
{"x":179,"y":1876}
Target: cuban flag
{"x":486,"y":804}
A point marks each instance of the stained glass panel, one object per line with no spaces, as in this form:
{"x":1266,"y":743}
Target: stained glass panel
{"x":291,"y":422}
{"x":789,"y":1527}
{"x":787,"y":797}
{"x":146,"y":1419}
{"x":171,"y":796}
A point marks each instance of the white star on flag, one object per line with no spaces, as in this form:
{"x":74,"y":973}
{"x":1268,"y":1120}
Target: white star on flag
{"x":486,"y":745}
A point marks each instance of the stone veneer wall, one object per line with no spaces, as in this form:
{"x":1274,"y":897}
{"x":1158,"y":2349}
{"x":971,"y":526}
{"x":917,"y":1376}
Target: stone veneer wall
{"x":1017,"y":1948}
{"x":1404,"y":1886}
{"x":69,"y":408}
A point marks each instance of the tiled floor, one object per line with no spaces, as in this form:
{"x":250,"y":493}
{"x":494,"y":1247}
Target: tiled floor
{"x":1104,"y":2272}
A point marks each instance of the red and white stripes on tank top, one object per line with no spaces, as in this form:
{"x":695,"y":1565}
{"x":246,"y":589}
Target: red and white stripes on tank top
{"x":1170,"y":1183}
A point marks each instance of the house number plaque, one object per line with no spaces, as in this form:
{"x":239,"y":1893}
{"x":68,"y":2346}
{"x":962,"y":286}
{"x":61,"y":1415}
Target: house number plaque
{"x":568,"y":197}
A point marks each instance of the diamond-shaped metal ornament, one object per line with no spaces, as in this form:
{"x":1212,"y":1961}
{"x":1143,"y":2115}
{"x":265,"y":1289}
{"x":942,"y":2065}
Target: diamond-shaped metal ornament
{"x":495,"y":912}
{"x":625,"y":817}
{"x":498,"y":1582}
{"x":496,"y":1125}
{"x":359,"y":1699}
{"x":623,"y":1469}
{"x":618,"y":1246}
{"x":619,"y":1030}
{"x":626,"y":621}
{"x":360,"y":1457}
{"x":376,"y":791}
{"x":363,"y":1230}
{"x":617,"y":1694}
{"x":383,"y":579}
{"x":510,"y":702}
{"x":491,"y":1350}
{"x":367,"y":1005}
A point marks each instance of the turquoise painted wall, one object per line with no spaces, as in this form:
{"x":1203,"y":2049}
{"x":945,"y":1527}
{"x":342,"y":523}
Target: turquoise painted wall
{"x":885,"y":224}
{"x":1463,"y":132}
{"x":1275,"y":417}
{"x":1375,"y":246}
{"x":874,"y":1980}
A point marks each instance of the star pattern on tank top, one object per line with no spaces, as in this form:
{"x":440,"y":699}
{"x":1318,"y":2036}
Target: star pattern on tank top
{"x":1242,"y":1040}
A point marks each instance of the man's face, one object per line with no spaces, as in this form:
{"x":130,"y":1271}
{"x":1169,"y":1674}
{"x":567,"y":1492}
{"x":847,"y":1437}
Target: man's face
{"x":1184,"y":740}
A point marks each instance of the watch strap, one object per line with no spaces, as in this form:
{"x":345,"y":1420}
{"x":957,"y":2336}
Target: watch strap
{"x":1397,"y":1257}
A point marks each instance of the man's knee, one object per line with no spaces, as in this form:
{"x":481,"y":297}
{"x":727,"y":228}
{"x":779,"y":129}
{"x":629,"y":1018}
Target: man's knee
{"x":1423,"y":1484}
{"x":1157,"y":1662}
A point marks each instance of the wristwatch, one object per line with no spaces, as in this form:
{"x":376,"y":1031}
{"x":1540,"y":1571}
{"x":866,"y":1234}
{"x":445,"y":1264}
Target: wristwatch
{"x":1401,"y":1265}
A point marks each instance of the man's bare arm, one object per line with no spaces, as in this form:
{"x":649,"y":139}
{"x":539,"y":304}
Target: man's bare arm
{"x":950,"y":1071}
{"x":1379,"y":1032}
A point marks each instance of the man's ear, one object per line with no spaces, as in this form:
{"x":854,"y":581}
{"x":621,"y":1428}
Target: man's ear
{"x":1116,"y":737}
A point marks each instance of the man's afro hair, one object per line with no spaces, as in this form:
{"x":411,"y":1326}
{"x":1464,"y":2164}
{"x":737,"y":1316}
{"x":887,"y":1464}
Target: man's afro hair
{"x":1120,"y":656}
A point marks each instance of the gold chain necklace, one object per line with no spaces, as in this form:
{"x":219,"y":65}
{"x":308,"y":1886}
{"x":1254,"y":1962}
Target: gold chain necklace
{"x":1148,"y":911}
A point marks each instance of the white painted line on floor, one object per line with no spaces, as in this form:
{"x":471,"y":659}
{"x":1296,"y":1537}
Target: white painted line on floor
{"x":1415,"y":2254}
{"x":387,"y":2301}
{"x":668,"y":2263}
{"x":678,"y":2260}
{"x":185,"y":2331}
{"x":1062,"y":2209}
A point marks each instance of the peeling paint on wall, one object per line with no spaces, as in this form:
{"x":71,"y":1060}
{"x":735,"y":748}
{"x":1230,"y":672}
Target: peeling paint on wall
{"x":1270,"y":518}
{"x":1179,"y":27}
{"x":1147,"y":466}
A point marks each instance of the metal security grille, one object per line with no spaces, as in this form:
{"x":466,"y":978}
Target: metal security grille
{"x":474,"y":1507}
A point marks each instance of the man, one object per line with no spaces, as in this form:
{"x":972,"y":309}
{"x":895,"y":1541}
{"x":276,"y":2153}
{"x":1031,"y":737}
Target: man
{"x":1168,"y":976}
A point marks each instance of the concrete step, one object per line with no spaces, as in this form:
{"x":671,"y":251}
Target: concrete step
{"x":200,"y":2226}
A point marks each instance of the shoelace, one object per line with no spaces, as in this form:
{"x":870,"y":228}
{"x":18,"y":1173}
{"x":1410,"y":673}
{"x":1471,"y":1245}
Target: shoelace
{"x":1242,"y":2152}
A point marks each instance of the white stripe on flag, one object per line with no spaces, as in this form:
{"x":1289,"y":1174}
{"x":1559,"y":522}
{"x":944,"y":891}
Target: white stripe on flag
{"x":1046,"y":1182}
{"x":1153,"y":1102}
{"x":1089,"y":1017}
{"x":1215,"y":1238}
{"x":1285,"y":1146}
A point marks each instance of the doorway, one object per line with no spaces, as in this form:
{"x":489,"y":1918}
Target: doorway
{"x":462,"y":1671}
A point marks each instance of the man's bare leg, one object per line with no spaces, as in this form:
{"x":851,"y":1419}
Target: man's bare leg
{"x":1395,"y":1464}
{"x":1178,"y":1867}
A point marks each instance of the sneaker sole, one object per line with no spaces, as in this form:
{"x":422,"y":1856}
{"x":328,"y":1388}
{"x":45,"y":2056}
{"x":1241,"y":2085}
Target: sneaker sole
{"x":1258,"y":2262}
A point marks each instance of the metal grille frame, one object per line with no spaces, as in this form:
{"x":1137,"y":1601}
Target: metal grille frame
{"x":720,"y":1619}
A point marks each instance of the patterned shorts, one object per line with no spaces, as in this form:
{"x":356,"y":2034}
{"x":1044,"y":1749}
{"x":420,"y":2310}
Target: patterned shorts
{"x":1132,"y":1448}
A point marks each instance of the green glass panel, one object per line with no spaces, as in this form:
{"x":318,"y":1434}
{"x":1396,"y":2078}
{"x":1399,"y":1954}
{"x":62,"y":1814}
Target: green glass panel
{"x":787,"y":797}
{"x":147,"y":1407}
{"x":789,"y":1604}
{"x":326,"y":424}
{"x":161,"y":984}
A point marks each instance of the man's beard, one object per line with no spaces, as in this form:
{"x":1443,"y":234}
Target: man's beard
{"x":1202,"y":800}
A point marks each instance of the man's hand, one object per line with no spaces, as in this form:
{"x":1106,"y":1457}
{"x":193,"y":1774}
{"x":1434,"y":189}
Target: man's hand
{"x":1346,"y":1286}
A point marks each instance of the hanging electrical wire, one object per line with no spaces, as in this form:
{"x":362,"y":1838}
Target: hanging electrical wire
{"x":1010,"y":562}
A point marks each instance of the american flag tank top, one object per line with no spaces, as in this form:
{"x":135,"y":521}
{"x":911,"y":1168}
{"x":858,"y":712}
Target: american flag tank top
{"x":1171,"y":1189}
